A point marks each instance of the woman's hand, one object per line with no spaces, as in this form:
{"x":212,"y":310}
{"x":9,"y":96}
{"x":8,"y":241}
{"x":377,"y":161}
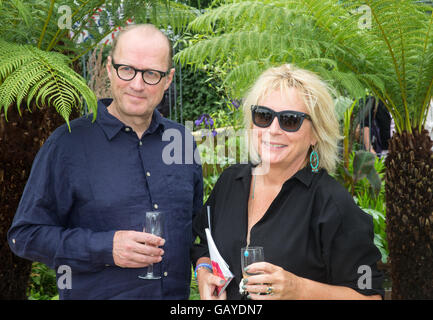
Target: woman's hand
{"x":273,"y":281}
{"x":207,"y":284}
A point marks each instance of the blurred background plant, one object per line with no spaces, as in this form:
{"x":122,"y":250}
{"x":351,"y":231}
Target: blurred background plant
{"x":42,"y":283}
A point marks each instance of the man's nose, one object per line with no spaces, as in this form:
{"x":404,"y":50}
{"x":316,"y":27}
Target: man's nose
{"x":137,"y":83}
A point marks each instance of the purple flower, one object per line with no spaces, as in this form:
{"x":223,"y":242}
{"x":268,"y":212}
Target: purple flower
{"x":236,"y":103}
{"x":208,"y":122}
{"x":198,"y":122}
{"x":207,"y":119}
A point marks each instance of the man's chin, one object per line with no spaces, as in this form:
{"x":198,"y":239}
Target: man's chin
{"x":135,"y":109}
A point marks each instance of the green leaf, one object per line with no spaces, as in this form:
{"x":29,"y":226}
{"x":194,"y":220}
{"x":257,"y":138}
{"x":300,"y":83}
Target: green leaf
{"x":363,"y":167}
{"x":42,"y":77}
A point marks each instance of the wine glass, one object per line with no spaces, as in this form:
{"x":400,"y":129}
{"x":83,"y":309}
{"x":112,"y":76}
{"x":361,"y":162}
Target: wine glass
{"x":250,"y":255}
{"x":153,"y":224}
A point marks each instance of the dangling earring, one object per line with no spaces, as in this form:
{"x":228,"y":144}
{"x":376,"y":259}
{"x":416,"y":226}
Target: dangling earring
{"x":314,"y":160}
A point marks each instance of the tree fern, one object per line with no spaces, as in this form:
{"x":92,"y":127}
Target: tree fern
{"x":28,"y":74}
{"x":42,"y":27}
{"x":43,"y":77}
{"x":391,"y":55}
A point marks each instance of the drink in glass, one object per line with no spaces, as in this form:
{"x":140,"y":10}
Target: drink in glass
{"x":153,"y":224}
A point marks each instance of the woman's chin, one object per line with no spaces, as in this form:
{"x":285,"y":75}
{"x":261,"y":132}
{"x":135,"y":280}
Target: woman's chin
{"x":274,"y":156}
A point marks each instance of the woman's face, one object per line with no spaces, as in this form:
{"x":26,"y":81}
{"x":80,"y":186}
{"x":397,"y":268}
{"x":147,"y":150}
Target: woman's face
{"x":277,"y":147}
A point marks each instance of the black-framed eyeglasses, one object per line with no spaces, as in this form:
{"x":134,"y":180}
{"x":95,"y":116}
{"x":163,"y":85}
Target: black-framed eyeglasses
{"x":289,"y":120}
{"x":127,"y":73}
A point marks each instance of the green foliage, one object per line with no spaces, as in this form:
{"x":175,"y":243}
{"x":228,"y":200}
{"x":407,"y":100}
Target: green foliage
{"x":194,"y":293}
{"x":44,"y":20}
{"x":380,"y":239}
{"x":199,"y":94}
{"x":370,"y":200}
{"x":365,"y":172}
{"x":44,"y":77}
{"x":363,"y":167}
{"x":42,"y":283}
{"x":33,"y":36}
{"x":390,"y":55}
{"x":230,"y":116}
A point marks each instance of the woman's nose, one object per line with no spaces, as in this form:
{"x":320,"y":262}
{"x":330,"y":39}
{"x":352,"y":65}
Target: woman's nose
{"x":274,"y":128}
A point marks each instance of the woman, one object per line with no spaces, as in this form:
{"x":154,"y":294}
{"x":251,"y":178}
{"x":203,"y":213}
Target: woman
{"x":317,"y":243}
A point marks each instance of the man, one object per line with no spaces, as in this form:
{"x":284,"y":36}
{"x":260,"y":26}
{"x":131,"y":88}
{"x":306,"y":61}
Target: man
{"x":83,"y":208}
{"x":377,"y":125}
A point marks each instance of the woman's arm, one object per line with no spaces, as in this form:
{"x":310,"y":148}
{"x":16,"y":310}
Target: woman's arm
{"x":313,"y":290}
{"x":287,"y":286}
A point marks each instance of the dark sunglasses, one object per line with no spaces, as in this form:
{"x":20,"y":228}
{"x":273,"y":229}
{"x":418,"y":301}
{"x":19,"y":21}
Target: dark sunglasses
{"x":289,"y":120}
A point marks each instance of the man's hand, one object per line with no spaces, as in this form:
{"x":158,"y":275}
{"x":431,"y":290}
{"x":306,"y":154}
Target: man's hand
{"x":133,"y":249}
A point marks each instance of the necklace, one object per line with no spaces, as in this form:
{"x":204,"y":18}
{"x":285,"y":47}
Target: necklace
{"x":252,"y":207}
{"x":254,"y":186}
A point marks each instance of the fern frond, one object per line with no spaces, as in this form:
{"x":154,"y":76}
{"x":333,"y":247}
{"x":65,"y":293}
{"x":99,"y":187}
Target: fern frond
{"x":383,"y":46}
{"x":43,"y":77}
{"x":244,"y":74}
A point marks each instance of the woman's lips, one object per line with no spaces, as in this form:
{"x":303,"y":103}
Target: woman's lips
{"x":274,"y":145}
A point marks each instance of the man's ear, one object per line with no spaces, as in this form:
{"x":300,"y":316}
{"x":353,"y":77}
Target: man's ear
{"x":169,"y":79}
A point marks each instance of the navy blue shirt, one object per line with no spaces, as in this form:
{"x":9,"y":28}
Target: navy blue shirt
{"x":99,"y":178}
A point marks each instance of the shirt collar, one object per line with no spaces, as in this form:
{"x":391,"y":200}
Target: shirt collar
{"x":305,"y":175}
{"x":111,"y":125}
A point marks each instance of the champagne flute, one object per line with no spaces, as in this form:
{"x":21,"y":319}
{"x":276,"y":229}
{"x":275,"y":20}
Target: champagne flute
{"x":251,"y":255}
{"x":153,"y":224}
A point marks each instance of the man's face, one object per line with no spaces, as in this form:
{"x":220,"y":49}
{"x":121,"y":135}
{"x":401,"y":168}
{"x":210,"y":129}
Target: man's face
{"x":135,"y":98}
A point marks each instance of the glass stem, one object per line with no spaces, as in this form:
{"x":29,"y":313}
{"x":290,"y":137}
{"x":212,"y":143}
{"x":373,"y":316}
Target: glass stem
{"x":150,"y":269}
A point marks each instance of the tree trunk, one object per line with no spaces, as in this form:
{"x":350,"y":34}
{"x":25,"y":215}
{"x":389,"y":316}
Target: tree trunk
{"x":409,"y":215}
{"x":20,"y":139}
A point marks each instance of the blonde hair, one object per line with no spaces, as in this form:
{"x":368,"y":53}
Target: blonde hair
{"x":318,"y":102}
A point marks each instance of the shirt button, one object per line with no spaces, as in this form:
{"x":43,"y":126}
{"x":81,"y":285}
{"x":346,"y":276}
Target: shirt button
{"x":140,"y":143}
{"x":13,"y":241}
{"x":127,"y":129}
{"x":165,"y":274}
{"x":155,"y":206}
{"x":148,"y":173}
